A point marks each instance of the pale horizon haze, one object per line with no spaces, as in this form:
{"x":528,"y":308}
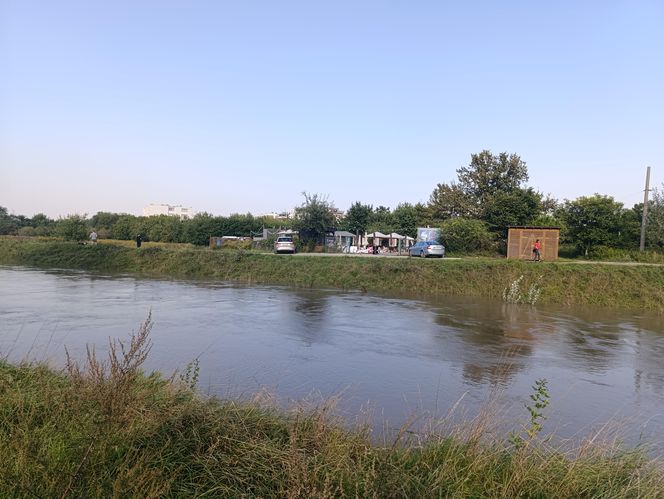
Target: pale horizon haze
{"x":235,"y":107}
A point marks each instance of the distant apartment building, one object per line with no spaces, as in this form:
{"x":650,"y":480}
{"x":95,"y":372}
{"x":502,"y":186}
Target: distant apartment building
{"x":153,"y":210}
{"x":338,"y":214}
{"x":284,"y":215}
{"x":290,"y":215}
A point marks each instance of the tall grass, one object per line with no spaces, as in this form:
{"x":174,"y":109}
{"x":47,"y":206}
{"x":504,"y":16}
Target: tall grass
{"x":105,"y":429}
{"x":564,"y":283}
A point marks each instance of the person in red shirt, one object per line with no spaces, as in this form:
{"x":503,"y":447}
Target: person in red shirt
{"x":537,"y":247}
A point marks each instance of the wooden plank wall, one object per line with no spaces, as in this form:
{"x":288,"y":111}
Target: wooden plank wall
{"x":520,"y":243}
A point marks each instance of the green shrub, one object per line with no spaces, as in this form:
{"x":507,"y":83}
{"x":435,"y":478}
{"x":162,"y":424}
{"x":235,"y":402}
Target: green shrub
{"x":27,"y":232}
{"x":464,"y":235}
{"x":605,"y":253}
{"x":72,"y":228}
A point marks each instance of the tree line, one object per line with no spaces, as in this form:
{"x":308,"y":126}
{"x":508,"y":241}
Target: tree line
{"x":473,"y":211}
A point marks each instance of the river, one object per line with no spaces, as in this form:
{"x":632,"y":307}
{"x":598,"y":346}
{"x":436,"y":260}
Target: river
{"x":387,"y":359}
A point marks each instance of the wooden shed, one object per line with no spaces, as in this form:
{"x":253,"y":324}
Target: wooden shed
{"x":520,"y":242}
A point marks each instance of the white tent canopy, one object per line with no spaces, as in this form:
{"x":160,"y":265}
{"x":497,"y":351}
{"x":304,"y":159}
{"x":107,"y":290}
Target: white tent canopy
{"x":377,"y":234}
{"x":343,"y":233}
{"x":394,"y":235}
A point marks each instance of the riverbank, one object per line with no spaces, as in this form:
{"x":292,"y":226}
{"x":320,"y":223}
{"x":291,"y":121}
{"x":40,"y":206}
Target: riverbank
{"x":563,"y":283}
{"x":105,"y":429}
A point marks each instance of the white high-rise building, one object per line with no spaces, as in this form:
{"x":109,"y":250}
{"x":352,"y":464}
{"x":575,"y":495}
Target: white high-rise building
{"x":152,"y":210}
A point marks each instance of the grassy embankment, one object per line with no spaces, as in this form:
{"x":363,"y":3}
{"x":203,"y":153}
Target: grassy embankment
{"x":107,"y":430}
{"x":564,"y":283}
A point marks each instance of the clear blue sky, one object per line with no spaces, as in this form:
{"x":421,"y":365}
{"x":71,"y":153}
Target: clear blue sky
{"x":239,"y":106}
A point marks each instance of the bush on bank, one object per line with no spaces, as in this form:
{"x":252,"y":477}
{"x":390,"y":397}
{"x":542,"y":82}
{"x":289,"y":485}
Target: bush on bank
{"x":107,"y":430}
{"x":562,"y":283}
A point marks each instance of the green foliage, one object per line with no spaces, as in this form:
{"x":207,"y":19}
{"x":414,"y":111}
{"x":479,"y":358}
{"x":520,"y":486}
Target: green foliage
{"x":72,"y":228}
{"x":655,"y":225}
{"x":464,"y":235}
{"x":424,"y":216}
{"x":357,"y":218}
{"x":124,"y":227}
{"x":191,"y":374}
{"x":103,"y":220}
{"x":547,"y":220}
{"x":406,"y":220}
{"x":594,"y":221}
{"x":42,"y":225}
{"x":244,"y":225}
{"x":8,"y":223}
{"x":450,"y":201}
{"x":163,"y":228}
{"x":200,"y":228}
{"x":540,"y":400}
{"x":490,"y":189}
{"x":27,"y":232}
{"x":314,"y":218}
{"x":41,"y":220}
{"x":489,"y":175}
{"x":610,"y":254}
{"x":518,"y":207}
{"x":381,"y":220}
{"x":565,"y":283}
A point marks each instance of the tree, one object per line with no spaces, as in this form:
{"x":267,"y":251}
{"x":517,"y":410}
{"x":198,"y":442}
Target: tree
{"x":466,"y":235}
{"x":40,"y":220}
{"x":200,"y":228}
{"x":450,"y":201}
{"x":629,"y":230}
{"x":41,"y":224}
{"x":424,"y":218}
{"x":8,"y":223}
{"x":488,"y":175}
{"x":490,"y":188}
{"x":517,"y":207}
{"x":72,"y":228}
{"x":405,"y":219}
{"x":314,"y":218}
{"x":124,"y":227}
{"x":655,"y":225}
{"x":593,"y":221}
{"x":357,"y":218}
{"x":165,"y":228}
{"x":381,"y":220}
{"x":241,"y":225}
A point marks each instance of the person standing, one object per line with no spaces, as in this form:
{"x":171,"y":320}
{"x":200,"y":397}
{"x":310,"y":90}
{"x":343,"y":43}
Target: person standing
{"x":537,"y":251}
{"x":93,"y":237}
{"x":139,"y":240}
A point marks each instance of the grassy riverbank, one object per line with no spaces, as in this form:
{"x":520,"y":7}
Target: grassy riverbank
{"x":107,"y":430}
{"x":638,"y":287}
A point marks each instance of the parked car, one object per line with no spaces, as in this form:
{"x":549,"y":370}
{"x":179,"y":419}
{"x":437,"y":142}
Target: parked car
{"x":427,"y":248}
{"x":284,"y":245}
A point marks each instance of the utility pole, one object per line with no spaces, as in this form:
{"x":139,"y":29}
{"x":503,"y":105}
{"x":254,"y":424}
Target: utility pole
{"x":644,"y":221}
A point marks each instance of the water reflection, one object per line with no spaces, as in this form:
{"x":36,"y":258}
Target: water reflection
{"x":307,"y":310}
{"x":493,"y":342}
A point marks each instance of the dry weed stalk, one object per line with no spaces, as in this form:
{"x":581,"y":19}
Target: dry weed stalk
{"x":112,"y":382}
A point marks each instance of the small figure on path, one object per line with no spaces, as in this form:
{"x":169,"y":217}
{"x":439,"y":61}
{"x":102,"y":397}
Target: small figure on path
{"x":139,"y":240}
{"x":93,"y":237}
{"x":537,"y":247}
